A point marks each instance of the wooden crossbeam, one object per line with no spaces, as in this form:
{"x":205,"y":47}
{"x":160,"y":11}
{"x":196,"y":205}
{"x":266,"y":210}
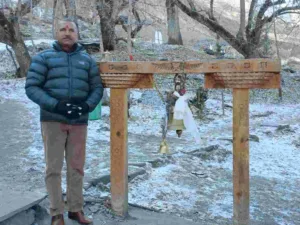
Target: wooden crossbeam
{"x":242,"y":80}
{"x":166,"y":67}
{"x":129,"y":80}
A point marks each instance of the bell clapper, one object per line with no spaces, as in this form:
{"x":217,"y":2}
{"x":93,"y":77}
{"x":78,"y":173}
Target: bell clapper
{"x":179,"y":133}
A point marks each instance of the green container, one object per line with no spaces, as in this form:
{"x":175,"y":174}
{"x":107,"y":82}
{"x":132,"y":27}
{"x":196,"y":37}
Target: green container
{"x":96,"y":114}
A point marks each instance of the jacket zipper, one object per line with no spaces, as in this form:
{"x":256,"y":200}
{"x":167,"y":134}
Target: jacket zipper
{"x":70,"y":77}
{"x":70,"y":80}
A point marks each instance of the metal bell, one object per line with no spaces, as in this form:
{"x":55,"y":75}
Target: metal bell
{"x":177,"y":125}
{"x":164,"y":148}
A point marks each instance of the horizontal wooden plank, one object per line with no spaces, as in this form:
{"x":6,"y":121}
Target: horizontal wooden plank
{"x":250,"y":80}
{"x":170,"y":67}
{"x":142,"y":81}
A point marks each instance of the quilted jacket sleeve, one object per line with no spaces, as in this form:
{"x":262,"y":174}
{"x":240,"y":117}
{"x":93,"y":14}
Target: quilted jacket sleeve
{"x":36,"y":77}
{"x":96,"y":86}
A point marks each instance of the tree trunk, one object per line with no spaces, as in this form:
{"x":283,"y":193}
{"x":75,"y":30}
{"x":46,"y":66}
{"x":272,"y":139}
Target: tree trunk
{"x":129,"y":28}
{"x":108,"y":33}
{"x":20,"y":49}
{"x":174,"y":33}
{"x":251,"y":51}
{"x":57,"y":14}
{"x":71,"y":12}
{"x":109,"y":14}
{"x":101,"y":40}
{"x":22,"y":56}
{"x":10,"y":34}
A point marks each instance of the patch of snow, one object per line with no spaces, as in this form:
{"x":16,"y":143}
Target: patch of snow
{"x":161,"y":194}
{"x":29,"y":43}
{"x":222,"y":207}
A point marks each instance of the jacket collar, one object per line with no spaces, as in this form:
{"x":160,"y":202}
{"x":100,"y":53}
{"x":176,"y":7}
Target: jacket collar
{"x":76,"y":47}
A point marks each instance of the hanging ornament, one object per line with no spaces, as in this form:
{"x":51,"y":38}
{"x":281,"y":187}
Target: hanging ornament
{"x":179,"y":86}
{"x":183,"y":113}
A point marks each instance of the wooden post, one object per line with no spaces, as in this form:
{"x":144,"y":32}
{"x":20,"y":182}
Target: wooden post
{"x":119,"y":158}
{"x":241,"y":156}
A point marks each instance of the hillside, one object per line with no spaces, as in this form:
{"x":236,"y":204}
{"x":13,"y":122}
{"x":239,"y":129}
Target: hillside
{"x":193,"y":33}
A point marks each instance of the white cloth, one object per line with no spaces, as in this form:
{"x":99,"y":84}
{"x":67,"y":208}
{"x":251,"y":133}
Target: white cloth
{"x":182,"y":112}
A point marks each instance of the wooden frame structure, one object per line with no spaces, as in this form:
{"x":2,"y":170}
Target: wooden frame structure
{"x":239,"y":75}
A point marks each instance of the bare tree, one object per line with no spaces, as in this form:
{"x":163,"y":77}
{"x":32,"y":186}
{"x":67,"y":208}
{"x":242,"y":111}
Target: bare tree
{"x":139,"y":24}
{"x":10,"y":32}
{"x":258,"y":17}
{"x":109,"y":11}
{"x":174,"y":33}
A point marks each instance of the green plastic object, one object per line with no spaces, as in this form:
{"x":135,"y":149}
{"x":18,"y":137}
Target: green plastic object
{"x":96,"y":114}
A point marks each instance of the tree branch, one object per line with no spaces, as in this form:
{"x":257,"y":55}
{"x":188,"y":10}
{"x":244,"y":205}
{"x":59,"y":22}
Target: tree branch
{"x":241,"y":33}
{"x":138,"y":27}
{"x":267,"y":4}
{"x":123,"y":39}
{"x":213,"y":26}
{"x":259,"y":25}
{"x":251,"y":10}
{"x":283,"y":11}
{"x":103,"y":9}
{"x":192,"y":5}
{"x":260,"y":21}
{"x":250,"y":18}
{"x":12,"y":56}
{"x":7,"y":30}
{"x":211,"y":15}
{"x":139,"y":22}
{"x":26,"y":6}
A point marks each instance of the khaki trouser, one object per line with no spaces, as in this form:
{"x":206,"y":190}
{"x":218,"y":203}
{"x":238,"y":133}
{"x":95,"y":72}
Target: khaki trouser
{"x":62,"y":140}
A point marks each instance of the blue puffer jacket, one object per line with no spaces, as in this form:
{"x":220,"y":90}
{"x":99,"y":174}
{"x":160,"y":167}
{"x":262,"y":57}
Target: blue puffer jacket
{"x":57,"y":75}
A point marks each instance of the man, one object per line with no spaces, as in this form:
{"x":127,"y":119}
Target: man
{"x":64,"y":81}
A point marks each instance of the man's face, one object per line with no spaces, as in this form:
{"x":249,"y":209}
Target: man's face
{"x":67,"y":33}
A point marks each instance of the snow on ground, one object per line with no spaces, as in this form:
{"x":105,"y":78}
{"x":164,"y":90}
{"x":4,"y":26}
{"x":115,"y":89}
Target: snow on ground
{"x":273,"y":157}
{"x":29,"y":43}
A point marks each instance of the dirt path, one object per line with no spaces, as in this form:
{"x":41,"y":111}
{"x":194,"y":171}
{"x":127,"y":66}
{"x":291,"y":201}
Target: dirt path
{"x":15,"y":138}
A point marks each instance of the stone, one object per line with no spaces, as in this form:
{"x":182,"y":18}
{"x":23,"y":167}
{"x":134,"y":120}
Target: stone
{"x":23,"y":218}
{"x":94,"y":208}
{"x":211,"y":153}
{"x":266,"y":114}
{"x":283,"y":129}
{"x":296,"y":143}
{"x":13,"y":203}
{"x":254,"y":138}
